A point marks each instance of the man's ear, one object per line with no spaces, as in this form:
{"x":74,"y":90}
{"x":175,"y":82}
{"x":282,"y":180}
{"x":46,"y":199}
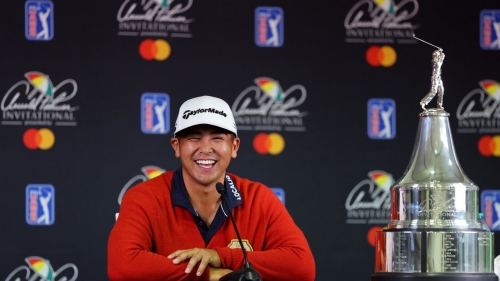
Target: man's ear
{"x":236,"y":146}
{"x":175,"y":145}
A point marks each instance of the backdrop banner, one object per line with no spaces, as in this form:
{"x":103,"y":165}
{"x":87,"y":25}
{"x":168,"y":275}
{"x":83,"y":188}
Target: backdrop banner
{"x":325,"y":95}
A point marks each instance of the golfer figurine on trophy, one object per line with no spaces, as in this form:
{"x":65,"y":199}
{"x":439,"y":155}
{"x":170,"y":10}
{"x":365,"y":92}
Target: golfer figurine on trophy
{"x":436,"y":81}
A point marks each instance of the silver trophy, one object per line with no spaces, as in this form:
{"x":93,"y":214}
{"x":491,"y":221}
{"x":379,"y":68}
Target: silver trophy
{"x":435,"y":232}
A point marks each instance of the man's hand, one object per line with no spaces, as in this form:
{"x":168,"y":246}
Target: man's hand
{"x":203,"y":256}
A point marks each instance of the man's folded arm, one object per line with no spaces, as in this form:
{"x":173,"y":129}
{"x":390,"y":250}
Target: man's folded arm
{"x":287,"y":255}
{"x":130,"y":244}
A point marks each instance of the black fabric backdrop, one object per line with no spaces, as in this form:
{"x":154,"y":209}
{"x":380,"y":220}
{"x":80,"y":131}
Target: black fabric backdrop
{"x":322,"y":161}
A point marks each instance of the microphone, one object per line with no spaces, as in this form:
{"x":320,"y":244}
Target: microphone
{"x":247,"y":273}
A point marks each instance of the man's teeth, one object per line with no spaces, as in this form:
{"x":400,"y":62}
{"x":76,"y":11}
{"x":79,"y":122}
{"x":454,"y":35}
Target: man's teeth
{"x":205,"y":162}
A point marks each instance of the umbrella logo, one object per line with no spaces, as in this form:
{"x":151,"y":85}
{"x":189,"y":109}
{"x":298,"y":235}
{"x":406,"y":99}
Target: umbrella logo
{"x":386,"y":5}
{"x":382,"y":179}
{"x":41,"y":82}
{"x":270,"y":87}
{"x":41,"y":267}
{"x":492,"y":88}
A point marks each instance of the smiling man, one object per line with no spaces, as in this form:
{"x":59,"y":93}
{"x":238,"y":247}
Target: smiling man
{"x":174,"y":227}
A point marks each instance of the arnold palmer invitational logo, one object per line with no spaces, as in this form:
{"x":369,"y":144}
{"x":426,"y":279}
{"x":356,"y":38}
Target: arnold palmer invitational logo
{"x":160,"y":18}
{"x":369,"y":202}
{"x":381,"y":21}
{"x":479,"y":110}
{"x":37,"y":102}
{"x":266,"y":107}
{"x":38,"y":268}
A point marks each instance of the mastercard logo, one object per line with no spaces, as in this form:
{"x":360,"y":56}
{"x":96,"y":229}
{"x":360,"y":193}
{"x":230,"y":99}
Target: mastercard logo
{"x":154,"y":49}
{"x":489,"y":145}
{"x":381,"y":56}
{"x":269,"y":143}
{"x":43,"y":139}
{"x":370,"y":236}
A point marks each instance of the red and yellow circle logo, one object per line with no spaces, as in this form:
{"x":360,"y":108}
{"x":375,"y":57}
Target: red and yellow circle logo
{"x":370,"y":236}
{"x":269,"y":143}
{"x":154,"y":49}
{"x":43,"y":139}
{"x":381,"y":56}
{"x":489,"y":146}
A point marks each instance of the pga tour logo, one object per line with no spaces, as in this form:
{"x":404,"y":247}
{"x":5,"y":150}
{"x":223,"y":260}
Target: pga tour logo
{"x":39,"y":20}
{"x":40,"y":204}
{"x":490,"y":207}
{"x":381,"y":118}
{"x":280,"y":193}
{"x":490,"y":29}
{"x":155,"y":113}
{"x":269,"y":27}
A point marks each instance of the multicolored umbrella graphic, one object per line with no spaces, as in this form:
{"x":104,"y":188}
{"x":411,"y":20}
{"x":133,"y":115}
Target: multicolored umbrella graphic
{"x":41,"y":267}
{"x":270,"y":87}
{"x":41,"y":82}
{"x":386,"y":5}
{"x":382,"y":179}
{"x":492,"y":88}
{"x":152,"y":171}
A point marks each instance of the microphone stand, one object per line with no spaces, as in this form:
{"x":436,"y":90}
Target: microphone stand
{"x":247,"y":273}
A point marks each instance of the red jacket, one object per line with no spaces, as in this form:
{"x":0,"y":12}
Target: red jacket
{"x":149,"y":228}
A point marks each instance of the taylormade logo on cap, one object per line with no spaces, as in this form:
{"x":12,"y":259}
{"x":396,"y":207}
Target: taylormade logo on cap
{"x":188,"y":113}
{"x":205,"y":110}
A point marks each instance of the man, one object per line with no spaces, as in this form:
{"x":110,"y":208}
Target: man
{"x":174,"y":227}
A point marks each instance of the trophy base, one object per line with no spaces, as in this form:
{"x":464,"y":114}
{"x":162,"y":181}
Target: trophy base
{"x":434,"y":277}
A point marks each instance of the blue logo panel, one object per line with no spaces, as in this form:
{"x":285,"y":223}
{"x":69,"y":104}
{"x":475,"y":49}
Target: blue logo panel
{"x":269,"y":27}
{"x":280,"y":193}
{"x":155,"y":113}
{"x":40,"y":204}
{"x":490,"y":207}
{"x":39,"y":20}
{"x":381,"y":119}
{"x":489,"y":24}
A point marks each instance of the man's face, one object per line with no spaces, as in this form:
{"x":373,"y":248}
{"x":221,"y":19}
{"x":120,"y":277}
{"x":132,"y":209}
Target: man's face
{"x":205,"y":152}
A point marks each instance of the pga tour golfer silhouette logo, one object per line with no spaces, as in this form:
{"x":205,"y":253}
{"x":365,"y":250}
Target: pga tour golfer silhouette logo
{"x":40,"y":203}
{"x":155,"y":113}
{"x":490,"y":207}
{"x":269,"y":27}
{"x":39,"y":17}
{"x":381,"y":118}
{"x":490,"y":29}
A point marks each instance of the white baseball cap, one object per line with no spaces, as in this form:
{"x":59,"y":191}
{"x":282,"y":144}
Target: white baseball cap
{"x":205,"y":110}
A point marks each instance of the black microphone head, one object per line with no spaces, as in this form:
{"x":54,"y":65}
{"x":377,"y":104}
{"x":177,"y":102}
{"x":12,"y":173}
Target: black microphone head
{"x":220,"y":187}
